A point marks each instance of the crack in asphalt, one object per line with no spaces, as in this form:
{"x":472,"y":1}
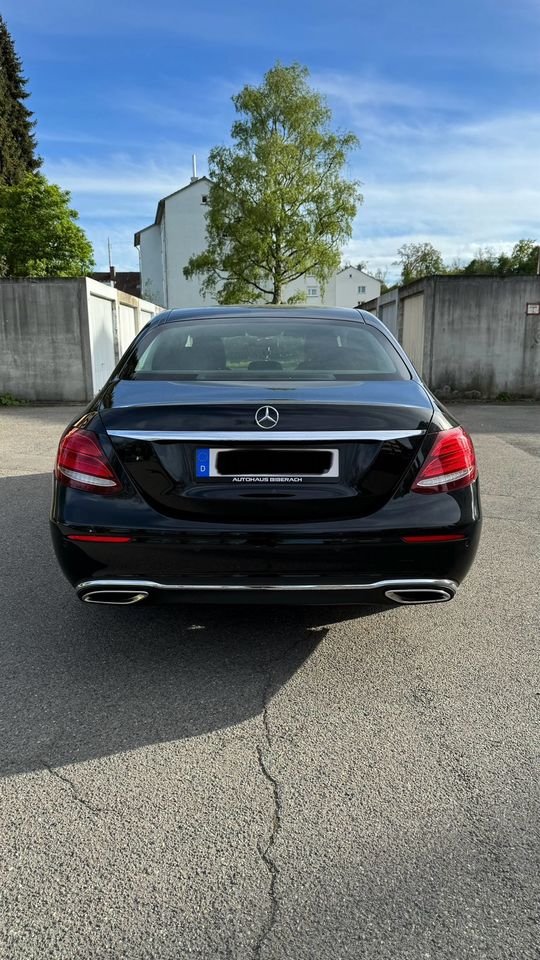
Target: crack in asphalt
{"x":265,"y":852}
{"x":60,"y":776}
{"x":266,"y":855}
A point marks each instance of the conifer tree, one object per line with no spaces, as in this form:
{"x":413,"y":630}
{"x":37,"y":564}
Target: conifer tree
{"x":17,"y":139}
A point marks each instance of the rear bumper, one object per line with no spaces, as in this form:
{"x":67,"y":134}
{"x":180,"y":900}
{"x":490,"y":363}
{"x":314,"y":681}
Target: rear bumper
{"x":393,"y":592}
{"x":273,"y":568}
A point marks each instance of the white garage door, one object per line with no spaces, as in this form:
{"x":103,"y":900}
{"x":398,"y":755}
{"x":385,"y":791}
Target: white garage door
{"x":413,"y":329}
{"x":126,"y":325}
{"x":101,"y":328}
{"x":388,"y":315}
{"x":146,"y":315}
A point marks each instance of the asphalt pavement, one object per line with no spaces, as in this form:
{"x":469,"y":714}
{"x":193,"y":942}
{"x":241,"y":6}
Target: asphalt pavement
{"x":313,"y":784}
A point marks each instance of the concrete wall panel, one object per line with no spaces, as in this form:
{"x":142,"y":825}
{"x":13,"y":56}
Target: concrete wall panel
{"x":483,"y":338}
{"x":41,"y":355}
{"x":59,"y":339}
{"x":477,"y":334}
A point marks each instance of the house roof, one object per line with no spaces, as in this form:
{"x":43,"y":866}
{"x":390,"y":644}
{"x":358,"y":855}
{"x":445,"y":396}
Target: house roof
{"x":161,"y":206}
{"x":363,"y":272}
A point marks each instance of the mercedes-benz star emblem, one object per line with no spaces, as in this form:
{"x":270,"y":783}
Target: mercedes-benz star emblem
{"x":266,"y":417}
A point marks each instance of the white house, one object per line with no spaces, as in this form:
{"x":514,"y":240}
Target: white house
{"x":179,"y":231}
{"x":347,"y":288}
{"x":165,"y":247}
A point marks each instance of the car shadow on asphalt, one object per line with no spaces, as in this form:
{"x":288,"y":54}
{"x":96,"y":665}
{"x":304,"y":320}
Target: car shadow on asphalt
{"x":80,"y":681}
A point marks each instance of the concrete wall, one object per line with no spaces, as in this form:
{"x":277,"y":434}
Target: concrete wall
{"x":44,"y":347}
{"x":481,"y":337}
{"x":60,"y":339}
{"x":385,"y":306}
{"x":477,"y":334}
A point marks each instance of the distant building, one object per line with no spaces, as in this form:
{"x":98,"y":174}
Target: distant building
{"x":347,"y":288}
{"x":179,"y":232}
{"x":128,"y":281}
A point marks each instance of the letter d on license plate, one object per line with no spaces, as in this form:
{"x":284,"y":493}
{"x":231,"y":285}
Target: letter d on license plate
{"x":202,"y":462}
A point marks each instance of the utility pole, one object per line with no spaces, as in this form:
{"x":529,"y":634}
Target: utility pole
{"x":112,"y":270}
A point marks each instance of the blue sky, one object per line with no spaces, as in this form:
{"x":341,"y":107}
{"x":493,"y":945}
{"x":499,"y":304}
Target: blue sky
{"x":445,"y":99}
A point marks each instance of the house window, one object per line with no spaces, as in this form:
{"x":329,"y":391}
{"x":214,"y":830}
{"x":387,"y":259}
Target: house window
{"x":361,"y":289}
{"x":312,"y":291}
{"x":204,"y":198}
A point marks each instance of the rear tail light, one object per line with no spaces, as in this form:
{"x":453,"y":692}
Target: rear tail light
{"x":98,"y":539}
{"x":81,"y":463}
{"x":449,"y":465}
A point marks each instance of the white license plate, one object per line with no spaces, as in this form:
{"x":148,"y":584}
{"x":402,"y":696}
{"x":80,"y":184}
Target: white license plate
{"x":267,"y":463}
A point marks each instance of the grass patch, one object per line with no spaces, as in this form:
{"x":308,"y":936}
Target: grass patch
{"x":7,"y":400}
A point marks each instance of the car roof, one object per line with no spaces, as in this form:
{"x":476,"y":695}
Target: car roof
{"x":268,"y":311}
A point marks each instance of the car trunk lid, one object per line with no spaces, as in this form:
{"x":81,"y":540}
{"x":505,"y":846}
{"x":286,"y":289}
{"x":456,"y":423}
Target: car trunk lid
{"x":202,"y":450}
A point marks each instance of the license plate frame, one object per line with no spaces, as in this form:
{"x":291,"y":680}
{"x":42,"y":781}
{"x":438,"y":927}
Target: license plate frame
{"x":206,"y":468}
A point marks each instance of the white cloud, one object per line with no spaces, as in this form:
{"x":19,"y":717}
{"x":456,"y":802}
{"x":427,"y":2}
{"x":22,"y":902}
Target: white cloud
{"x":120,"y":174}
{"x":367,"y":90}
{"x":459,"y":185}
{"x":457,"y":182}
{"x":118,"y":195}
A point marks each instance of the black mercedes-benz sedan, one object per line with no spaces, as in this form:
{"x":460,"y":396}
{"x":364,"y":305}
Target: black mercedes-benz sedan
{"x":276,"y":454}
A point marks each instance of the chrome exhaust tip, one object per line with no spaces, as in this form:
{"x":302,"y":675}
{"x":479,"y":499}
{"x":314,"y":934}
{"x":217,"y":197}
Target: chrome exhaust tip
{"x":409,"y":595}
{"x":116,"y":597}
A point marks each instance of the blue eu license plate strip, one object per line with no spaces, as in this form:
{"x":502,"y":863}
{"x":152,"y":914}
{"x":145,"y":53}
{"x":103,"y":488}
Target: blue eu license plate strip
{"x":202,"y":462}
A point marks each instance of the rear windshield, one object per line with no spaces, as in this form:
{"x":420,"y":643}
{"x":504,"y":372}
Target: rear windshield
{"x":264,"y":349}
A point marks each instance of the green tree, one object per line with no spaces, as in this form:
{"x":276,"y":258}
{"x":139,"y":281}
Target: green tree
{"x":279,"y":206}
{"x":522,"y":260}
{"x":418,"y":260}
{"x":17,"y":140}
{"x":39,"y":235}
{"x":485,"y":262}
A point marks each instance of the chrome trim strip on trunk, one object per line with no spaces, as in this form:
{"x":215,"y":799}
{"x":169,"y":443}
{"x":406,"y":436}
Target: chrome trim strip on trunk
{"x":378,"y":585}
{"x":265,"y":436}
